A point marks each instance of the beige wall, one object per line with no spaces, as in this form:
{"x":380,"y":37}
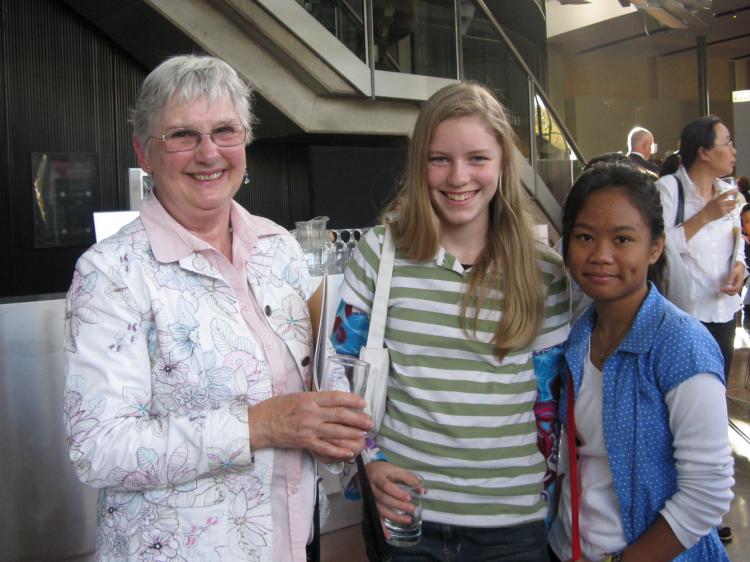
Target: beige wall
{"x":603,"y":94}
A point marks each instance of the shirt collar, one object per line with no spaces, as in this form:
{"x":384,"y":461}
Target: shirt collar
{"x":171,"y":242}
{"x":448,"y":261}
{"x":681,"y":173}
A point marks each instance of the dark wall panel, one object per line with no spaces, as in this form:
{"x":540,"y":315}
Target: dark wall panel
{"x":6,"y":238}
{"x":352,"y":184}
{"x":67,"y":90}
{"x":66,"y":87}
{"x":278,"y":188}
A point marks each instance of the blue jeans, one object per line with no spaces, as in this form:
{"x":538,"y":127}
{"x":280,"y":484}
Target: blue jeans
{"x":450,"y":543}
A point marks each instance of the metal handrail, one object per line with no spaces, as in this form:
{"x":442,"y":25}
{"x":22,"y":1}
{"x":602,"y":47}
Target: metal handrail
{"x":539,"y":90}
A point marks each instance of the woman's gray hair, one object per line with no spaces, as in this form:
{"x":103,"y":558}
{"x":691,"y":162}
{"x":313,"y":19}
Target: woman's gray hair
{"x":190,"y":77}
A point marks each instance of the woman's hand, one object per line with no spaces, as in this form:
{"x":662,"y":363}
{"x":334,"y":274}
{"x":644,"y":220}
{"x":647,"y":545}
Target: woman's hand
{"x":721,"y":205}
{"x":718,"y":207}
{"x":388,"y":496}
{"x":325,"y":423}
{"x":735,"y":280}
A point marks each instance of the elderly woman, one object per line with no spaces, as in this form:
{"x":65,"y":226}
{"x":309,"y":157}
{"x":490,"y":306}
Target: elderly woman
{"x":188,"y":349}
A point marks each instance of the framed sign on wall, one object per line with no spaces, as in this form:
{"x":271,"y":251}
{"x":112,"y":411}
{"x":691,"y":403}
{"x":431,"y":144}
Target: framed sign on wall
{"x":65,"y":192}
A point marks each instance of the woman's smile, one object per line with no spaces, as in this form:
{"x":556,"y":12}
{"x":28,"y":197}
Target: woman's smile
{"x":207,"y":176}
{"x":460,"y":197}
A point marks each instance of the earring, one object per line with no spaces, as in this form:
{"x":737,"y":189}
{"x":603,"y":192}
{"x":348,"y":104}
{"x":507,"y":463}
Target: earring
{"x":146,"y":167}
{"x":246,"y":179}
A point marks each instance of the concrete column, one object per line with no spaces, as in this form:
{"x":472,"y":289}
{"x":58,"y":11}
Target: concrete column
{"x":700,"y":51}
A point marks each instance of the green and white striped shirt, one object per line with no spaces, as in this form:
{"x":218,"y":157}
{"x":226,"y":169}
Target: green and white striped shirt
{"x":455,"y":414}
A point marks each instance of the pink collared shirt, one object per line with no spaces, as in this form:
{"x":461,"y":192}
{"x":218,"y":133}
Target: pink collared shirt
{"x":293,"y":481}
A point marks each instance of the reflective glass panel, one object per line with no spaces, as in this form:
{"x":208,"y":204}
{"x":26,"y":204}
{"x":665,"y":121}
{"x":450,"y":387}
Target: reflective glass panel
{"x":344,"y":19}
{"x":487,"y":59}
{"x":415,"y":37}
{"x":557,"y":163}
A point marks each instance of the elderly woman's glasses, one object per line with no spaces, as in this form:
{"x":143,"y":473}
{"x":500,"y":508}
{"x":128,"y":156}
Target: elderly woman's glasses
{"x":179,"y":140}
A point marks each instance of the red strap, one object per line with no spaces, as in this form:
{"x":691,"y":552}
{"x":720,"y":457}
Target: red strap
{"x":575,"y":539}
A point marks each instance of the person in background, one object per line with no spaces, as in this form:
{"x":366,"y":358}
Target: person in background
{"x":743,"y":185}
{"x":641,"y":146}
{"x":654,"y":464}
{"x":610,"y":157}
{"x":745,"y":221}
{"x":472,"y":296}
{"x":708,"y":238}
{"x":188,"y":349}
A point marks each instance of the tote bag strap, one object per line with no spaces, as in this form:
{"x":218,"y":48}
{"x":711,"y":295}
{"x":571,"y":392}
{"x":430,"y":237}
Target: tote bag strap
{"x":575,"y":532}
{"x":382,"y":291}
{"x":680,"y":217}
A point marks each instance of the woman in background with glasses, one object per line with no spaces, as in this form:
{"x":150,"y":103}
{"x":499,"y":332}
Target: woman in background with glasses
{"x":188,"y":349}
{"x":707,"y":236}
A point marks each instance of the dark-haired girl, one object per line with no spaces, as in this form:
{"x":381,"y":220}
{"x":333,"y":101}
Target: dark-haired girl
{"x":707,"y":233}
{"x":650,"y":423}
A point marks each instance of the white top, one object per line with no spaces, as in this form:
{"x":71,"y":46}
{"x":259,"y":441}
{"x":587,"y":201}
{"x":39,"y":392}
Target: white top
{"x":708,"y":254}
{"x":704,"y":469}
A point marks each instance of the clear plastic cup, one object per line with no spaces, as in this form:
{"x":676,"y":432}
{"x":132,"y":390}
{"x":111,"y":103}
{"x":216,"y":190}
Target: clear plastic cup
{"x":313,"y":237}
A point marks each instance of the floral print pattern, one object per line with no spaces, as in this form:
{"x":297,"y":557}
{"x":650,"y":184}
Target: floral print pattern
{"x":161,"y":368}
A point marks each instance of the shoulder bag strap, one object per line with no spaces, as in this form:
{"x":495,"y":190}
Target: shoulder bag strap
{"x":680,"y":218}
{"x":382,"y":291}
{"x":575,"y":532}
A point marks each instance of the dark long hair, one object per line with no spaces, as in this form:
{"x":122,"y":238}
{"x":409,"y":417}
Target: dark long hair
{"x":638,"y":187}
{"x":697,"y":134}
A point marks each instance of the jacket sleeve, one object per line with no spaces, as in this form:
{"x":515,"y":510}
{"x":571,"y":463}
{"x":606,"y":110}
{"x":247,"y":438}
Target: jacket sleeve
{"x":703,"y":457}
{"x":115,"y":435}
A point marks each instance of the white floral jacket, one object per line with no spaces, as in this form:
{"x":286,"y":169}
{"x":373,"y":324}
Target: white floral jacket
{"x":161,"y":369}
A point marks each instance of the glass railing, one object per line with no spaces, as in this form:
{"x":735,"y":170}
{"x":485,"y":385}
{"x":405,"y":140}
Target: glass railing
{"x":458,"y":39}
{"x":419,"y":35}
{"x":408,"y":36}
{"x":344,"y":19}
{"x":556,"y":161}
{"x":543,"y":137}
{"x":487,"y":59}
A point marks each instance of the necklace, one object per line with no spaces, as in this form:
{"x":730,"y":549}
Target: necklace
{"x":605,"y":352}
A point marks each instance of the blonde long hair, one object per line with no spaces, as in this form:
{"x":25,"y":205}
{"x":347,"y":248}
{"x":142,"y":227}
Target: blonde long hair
{"x":508,"y":262}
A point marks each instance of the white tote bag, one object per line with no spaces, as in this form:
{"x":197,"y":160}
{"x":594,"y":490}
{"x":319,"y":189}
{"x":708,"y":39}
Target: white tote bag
{"x":374,"y":352}
{"x":678,"y":283}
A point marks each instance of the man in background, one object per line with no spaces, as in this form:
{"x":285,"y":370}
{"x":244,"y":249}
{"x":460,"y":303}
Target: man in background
{"x":640,"y":148}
